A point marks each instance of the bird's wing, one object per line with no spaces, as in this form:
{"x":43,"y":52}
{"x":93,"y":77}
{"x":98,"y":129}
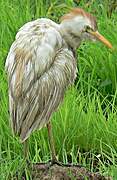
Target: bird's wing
{"x":39,"y":70}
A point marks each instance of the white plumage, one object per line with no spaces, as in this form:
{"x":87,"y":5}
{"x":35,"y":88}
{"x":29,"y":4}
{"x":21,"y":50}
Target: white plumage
{"x":40,"y":67}
{"x":41,"y":64}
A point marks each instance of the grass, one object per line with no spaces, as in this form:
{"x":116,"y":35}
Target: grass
{"x":85,"y":125}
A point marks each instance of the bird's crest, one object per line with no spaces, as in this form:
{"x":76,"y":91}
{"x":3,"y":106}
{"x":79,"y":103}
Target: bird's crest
{"x":79,"y":12}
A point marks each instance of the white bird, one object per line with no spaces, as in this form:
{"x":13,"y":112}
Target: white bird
{"x":41,"y":64}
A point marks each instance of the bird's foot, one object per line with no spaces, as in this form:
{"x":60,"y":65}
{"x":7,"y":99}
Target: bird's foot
{"x":55,"y":161}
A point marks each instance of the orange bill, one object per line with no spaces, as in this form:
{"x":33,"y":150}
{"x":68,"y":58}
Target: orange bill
{"x":101,"y":38}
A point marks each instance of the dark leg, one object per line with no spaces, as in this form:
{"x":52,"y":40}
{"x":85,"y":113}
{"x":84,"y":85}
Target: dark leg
{"x":25,"y":149}
{"x":25,"y":161}
{"x":51,"y":141}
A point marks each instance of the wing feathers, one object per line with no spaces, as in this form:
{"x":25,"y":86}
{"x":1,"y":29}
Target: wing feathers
{"x":39,"y":72}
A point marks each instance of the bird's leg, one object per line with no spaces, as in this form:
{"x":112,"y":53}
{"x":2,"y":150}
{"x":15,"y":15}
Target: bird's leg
{"x":51,"y":141}
{"x":25,"y":149}
{"x":26,"y":162}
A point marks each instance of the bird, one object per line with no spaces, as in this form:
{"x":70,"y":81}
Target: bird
{"x":41,"y":65}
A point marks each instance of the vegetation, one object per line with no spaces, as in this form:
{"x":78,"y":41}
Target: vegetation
{"x":85,"y":125}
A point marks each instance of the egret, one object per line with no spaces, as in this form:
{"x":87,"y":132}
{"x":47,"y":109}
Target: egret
{"x":41,"y":65}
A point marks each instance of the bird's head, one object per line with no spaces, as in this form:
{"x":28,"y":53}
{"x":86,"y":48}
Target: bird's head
{"x":79,"y":25}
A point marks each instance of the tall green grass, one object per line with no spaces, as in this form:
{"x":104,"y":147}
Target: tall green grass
{"x":85,"y":125}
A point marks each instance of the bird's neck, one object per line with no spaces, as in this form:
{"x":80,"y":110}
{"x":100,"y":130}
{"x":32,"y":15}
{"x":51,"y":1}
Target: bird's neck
{"x":70,"y":38}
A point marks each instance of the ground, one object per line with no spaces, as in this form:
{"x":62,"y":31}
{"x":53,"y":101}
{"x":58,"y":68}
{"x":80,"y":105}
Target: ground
{"x":65,"y":172}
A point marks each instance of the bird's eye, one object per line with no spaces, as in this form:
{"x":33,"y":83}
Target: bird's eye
{"x":88,"y":28}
